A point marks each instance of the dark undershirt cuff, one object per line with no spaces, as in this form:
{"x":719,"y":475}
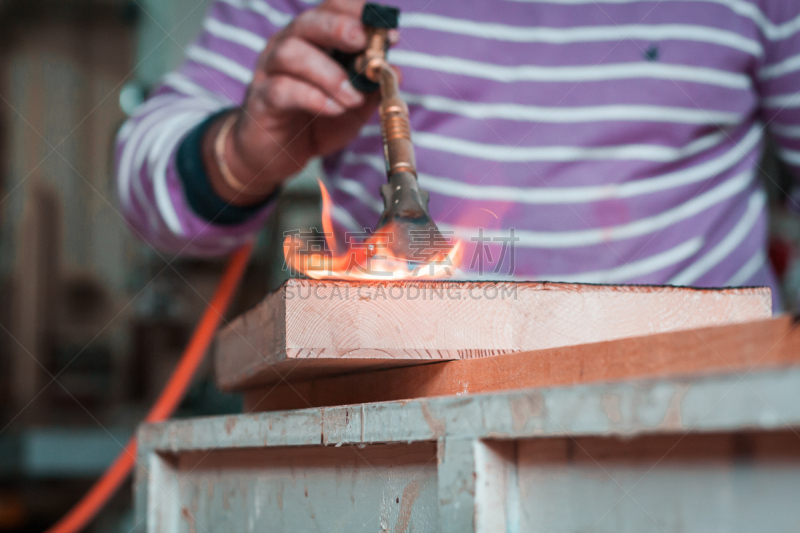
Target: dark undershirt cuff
{"x":200,"y":195}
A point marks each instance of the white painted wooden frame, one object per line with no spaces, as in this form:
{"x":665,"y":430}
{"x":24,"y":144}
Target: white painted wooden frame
{"x":705,"y":454}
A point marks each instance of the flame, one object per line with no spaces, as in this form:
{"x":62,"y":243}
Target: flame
{"x":318,"y":256}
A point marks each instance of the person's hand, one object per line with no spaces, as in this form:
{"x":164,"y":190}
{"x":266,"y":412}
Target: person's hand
{"x":300,"y":103}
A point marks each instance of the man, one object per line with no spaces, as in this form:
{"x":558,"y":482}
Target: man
{"x":608,"y":141}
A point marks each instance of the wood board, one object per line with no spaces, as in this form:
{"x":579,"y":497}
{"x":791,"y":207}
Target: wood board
{"x":312,"y":328}
{"x":734,"y":349}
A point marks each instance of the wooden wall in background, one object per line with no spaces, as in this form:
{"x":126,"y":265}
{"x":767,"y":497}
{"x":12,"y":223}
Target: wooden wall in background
{"x":36,"y":284}
{"x":62,"y":65}
{"x":62,"y":71}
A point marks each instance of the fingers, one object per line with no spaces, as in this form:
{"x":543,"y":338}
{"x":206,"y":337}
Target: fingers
{"x":328,"y":29}
{"x":303,"y":61}
{"x":345,"y":7}
{"x":285,"y":93}
{"x":296,"y":73}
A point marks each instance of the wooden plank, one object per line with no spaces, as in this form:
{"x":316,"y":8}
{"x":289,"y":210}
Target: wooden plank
{"x":717,"y":350}
{"x":311,"y":328}
{"x":750,"y":401}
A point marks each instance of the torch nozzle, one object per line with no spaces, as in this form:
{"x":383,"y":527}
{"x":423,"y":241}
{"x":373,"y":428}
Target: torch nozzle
{"x":405,"y":228}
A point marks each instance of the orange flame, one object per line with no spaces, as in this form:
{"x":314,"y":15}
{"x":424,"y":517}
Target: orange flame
{"x":318,"y":256}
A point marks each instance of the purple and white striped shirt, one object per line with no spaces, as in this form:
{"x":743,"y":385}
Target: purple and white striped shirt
{"x":618,"y":138}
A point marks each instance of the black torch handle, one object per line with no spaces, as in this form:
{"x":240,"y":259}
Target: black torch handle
{"x":374,"y":17}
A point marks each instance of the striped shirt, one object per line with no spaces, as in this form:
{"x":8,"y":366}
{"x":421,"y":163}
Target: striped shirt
{"x":619,"y":139}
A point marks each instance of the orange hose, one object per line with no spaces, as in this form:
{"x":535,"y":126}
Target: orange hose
{"x":94,"y":500}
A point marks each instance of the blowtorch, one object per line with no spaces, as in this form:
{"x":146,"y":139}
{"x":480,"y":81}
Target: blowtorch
{"x":405,"y":227}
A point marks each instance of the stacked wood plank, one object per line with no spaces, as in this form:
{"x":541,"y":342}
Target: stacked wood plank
{"x":312,"y":329}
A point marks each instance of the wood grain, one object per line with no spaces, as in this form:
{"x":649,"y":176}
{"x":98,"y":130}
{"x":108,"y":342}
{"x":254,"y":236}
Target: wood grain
{"x":736,"y":349}
{"x":399,"y":323}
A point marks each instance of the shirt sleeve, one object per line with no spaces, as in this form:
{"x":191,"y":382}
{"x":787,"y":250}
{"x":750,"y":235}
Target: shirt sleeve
{"x":778,"y":77}
{"x":215,"y":75}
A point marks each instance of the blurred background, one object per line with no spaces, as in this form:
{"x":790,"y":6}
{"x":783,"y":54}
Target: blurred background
{"x":91,"y":320}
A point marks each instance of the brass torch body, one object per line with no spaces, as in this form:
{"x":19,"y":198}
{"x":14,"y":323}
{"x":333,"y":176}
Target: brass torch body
{"x":395,"y":126}
{"x":405,"y":215}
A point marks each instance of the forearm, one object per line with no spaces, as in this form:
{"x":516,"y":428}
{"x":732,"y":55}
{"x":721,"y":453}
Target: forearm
{"x":164,"y":193}
{"x":235,"y":177}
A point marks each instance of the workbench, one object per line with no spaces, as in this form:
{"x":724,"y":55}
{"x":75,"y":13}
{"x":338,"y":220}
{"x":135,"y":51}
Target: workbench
{"x":707,"y":438}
